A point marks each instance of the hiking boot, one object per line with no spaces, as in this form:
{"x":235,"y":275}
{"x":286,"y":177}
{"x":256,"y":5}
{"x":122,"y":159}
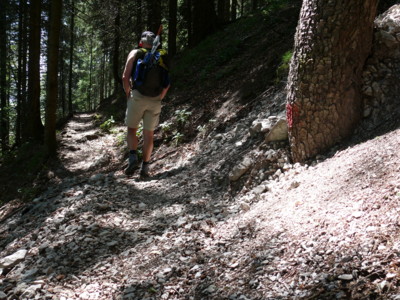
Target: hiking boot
{"x":144,"y":170}
{"x":132,"y":164}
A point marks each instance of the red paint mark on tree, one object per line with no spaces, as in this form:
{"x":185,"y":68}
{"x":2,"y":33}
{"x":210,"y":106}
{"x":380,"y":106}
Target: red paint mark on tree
{"x":292,"y":113}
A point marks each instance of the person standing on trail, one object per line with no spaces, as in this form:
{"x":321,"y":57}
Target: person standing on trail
{"x":143,"y":101}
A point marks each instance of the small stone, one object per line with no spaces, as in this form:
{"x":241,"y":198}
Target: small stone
{"x":346,"y":277}
{"x":211,"y":289}
{"x":112,"y":243}
{"x":245,"y":206}
{"x":97,"y":177}
{"x":294,"y":185}
{"x":260,"y":189}
{"x":240,"y":169}
{"x":279,"y":132}
{"x":14,"y":259}
{"x":357,"y":214}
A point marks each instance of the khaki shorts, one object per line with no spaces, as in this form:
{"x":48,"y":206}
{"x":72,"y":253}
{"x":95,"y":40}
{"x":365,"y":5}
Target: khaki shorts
{"x":142,"y":107}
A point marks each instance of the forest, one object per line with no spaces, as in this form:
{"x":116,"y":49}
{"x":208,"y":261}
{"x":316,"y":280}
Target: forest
{"x":275,"y":169}
{"x":60,"y":57}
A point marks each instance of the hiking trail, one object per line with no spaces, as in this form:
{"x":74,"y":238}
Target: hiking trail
{"x":326,"y":231}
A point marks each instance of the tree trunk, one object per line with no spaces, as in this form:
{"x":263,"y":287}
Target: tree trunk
{"x":188,"y":20}
{"x":71,"y":57}
{"x":154,"y":15}
{"x":234,"y":10}
{"x":332,"y":42}
{"x":102,"y":76}
{"x":223,"y":11}
{"x":4,"y":116}
{"x":34,"y":126}
{"x":19,"y":73}
{"x":106,"y":71}
{"x":117,"y":42}
{"x":172,"y":30}
{"x":24,"y":88}
{"x":89,"y":92}
{"x":62,"y":82}
{"x":52,"y":76}
{"x":139,"y":19}
{"x":204,"y":19}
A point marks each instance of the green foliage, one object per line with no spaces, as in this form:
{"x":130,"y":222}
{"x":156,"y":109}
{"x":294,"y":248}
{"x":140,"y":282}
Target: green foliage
{"x":121,"y":139}
{"x":176,"y":128}
{"x":139,"y":131}
{"x":274,"y":5}
{"x":28,"y":193}
{"x":177,"y":138}
{"x":166,"y":126}
{"x":283,"y":69}
{"x":201,"y":128}
{"x":107,"y":125}
{"x":97,"y":117}
{"x":182,"y":116}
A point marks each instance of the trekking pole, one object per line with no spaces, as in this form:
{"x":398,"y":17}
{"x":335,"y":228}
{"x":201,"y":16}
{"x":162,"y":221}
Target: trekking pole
{"x":156,"y":41}
{"x":148,"y":59}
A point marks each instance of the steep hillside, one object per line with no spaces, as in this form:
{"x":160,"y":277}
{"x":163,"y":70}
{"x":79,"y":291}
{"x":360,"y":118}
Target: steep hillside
{"x":236,"y":65}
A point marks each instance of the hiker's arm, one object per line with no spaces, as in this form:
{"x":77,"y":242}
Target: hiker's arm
{"x":164,"y":92}
{"x":127,"y":72}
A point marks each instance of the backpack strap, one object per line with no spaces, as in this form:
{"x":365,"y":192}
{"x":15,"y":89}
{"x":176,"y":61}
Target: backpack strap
{"x":161,"y":61}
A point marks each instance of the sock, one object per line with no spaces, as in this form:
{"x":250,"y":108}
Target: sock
{"x":132,"y":152}
{"x":146,"y":163}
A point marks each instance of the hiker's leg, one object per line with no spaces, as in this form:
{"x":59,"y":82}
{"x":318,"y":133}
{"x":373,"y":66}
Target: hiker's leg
{"x":148,"y":144}
{"x":132,"y":139}
{"x":134,"y":114}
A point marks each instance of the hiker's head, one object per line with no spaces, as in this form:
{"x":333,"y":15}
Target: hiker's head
{"x":146,"y":40}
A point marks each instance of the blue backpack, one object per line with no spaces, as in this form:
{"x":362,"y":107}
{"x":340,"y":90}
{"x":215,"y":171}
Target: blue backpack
{"x":150,"y":75}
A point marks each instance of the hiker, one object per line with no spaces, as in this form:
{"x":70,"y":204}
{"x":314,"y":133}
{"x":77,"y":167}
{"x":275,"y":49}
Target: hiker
{"x":143,"y":103}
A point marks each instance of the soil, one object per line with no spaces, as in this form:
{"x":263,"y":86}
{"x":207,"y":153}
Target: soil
{"x":326,"y":230}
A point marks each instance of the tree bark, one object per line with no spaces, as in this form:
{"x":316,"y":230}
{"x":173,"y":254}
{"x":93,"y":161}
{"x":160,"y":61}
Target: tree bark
{"x":204,"y":20}
{"x":188,"y":20}
{"x":52,"y":76}
{"x":71,"y":57}
{"x":102,"y":76}
{"x":89,"y":92}
{"x":19,"y":72}
{"x":34,"y":126}
{"x":223,"y":11}
{"x":234,"y":10}
{"x":172,"y":30}
{"x":61,"y":63}
{"x":24,"y":81}
{"x":117,"y":42}
{"x":4,"y":116}
{"x":154,"y":15}
{"x":332,"y":42}
{"x":139,"y":18}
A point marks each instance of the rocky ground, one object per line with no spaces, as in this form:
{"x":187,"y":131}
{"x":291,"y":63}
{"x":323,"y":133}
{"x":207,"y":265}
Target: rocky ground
{"x":226,"y":216}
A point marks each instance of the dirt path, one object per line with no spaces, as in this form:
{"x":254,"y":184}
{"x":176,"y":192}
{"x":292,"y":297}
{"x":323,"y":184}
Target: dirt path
{"x":330,"y":231}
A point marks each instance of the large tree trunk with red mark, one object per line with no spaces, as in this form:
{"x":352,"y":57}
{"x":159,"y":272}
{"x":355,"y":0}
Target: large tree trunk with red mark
{"x":332,"y":42}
